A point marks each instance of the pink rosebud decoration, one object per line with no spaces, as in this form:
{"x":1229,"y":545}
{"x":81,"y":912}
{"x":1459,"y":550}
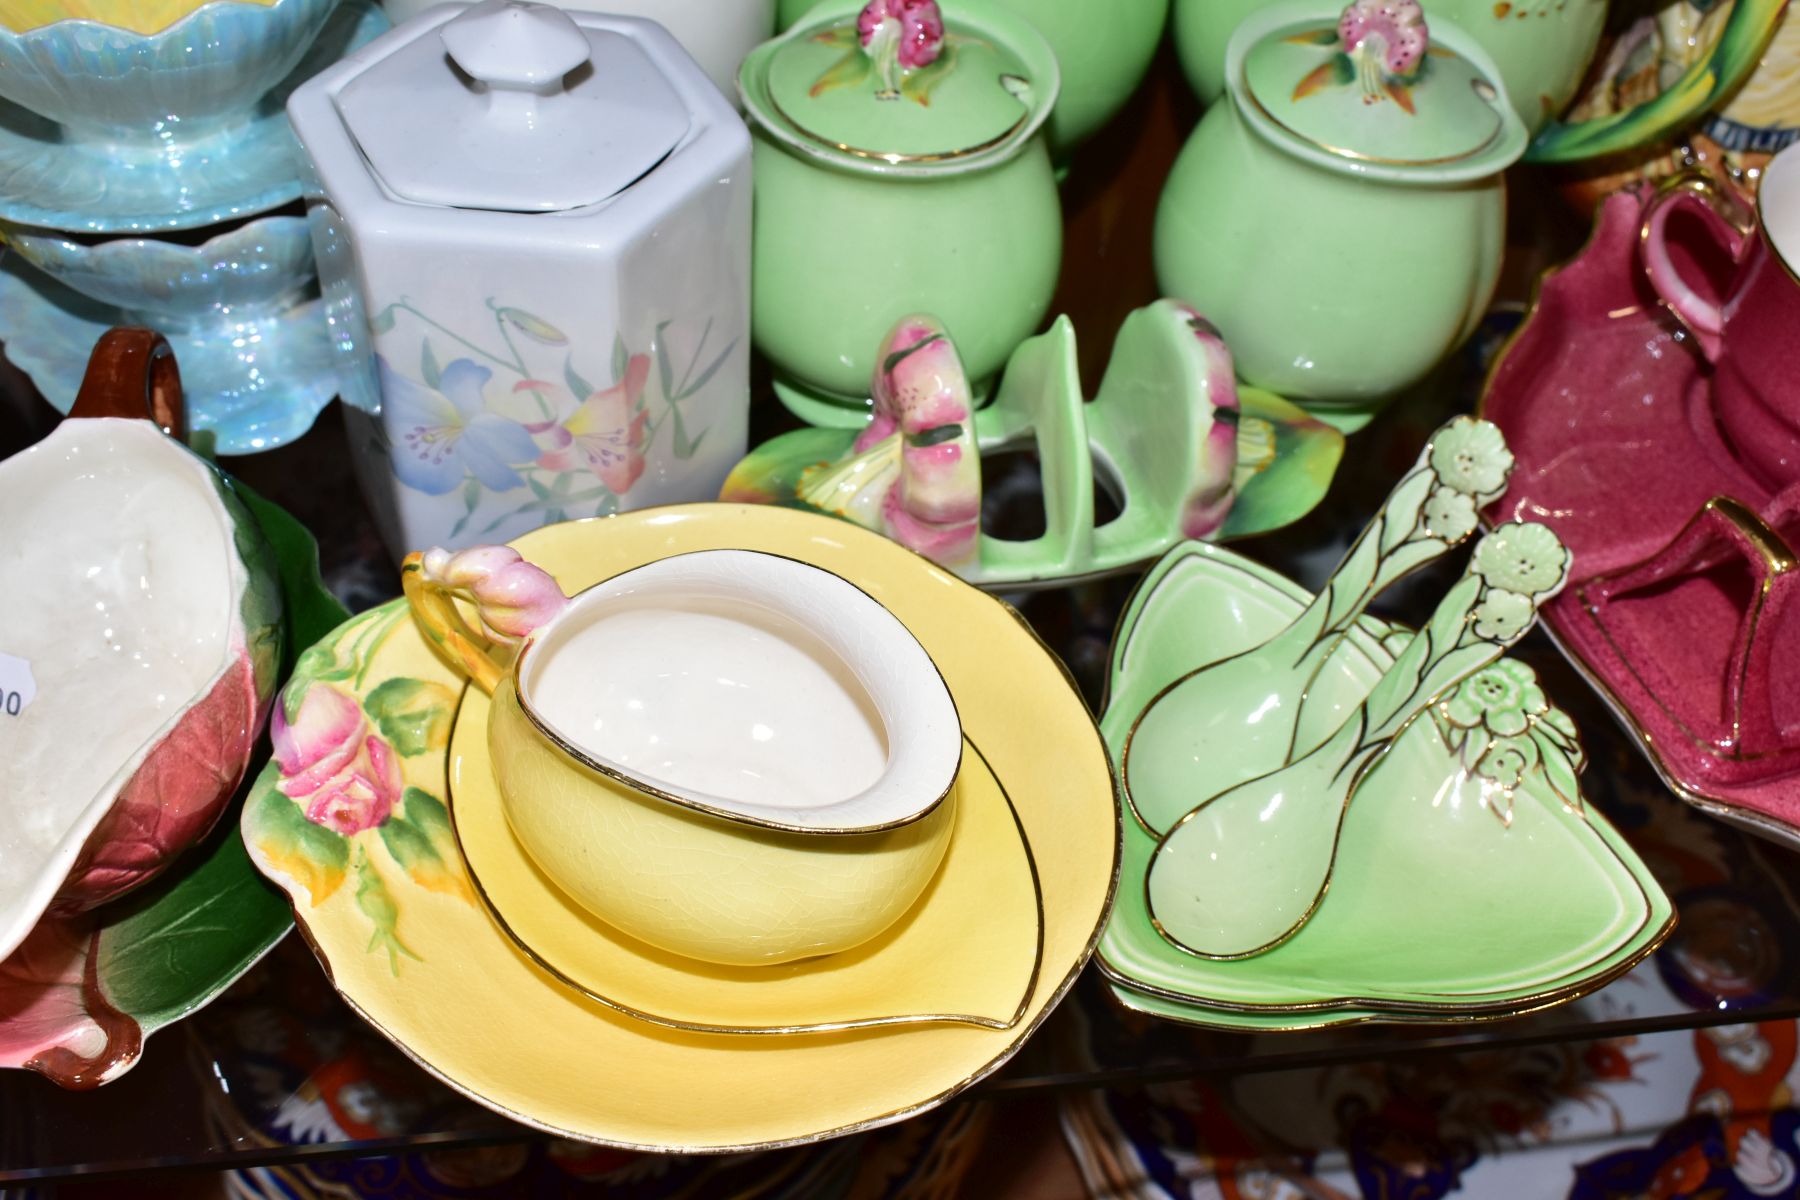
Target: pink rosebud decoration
{"x":915,"y":27}
{"x":1384,"y":36}
{"x":1210,"y":502}
{"x":922,"y":392}
{"x":513,"y":596}
{"x":344,"y":775}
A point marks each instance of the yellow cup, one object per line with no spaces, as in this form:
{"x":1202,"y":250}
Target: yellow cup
{"x":729,"y":755}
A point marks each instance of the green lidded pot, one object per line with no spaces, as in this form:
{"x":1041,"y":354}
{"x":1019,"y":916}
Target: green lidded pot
{"x":1341,"y":216}
{"x":1103,"y":50}
{"x":1541,"y":47}
{"x":900,"y":167}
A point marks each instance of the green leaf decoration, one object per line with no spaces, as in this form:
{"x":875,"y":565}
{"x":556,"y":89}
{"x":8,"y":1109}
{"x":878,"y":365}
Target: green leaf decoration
{"x":852,"y":70}
{"x":535,"y":328}
{"x":375,"y":902}
{"x":471,"y":497}
{"x":311,"y":610}
{"x":1561,"y":771}
{"x":772,"y":472}
{"x":423,"y":843}
{"x":170,"y":945}
{"x":1289,"y":482}
{"x":311,"y":855}
{"x":1316,"y":80}
{"x":621,"y":358}
{"x":581,"y":388}
{"x":1409,"y":500}
{"x":918,"y":83}
{"x":1324,"y":36}
{"x":689,"y":387}
{"x":261,"y":607}
{"x":382,"y":321}
{"x":429,"y":372}
{"x":413,"y":714}
{"x":935,"y":436}
{"x":665,"y":372}
{"x":1472,"y":744}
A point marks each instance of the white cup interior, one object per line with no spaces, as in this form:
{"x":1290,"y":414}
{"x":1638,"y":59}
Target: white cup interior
{"x":750,"y":685}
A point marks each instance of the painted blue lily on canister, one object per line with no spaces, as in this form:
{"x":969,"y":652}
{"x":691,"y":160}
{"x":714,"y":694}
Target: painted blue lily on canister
{"x":562,"y":334}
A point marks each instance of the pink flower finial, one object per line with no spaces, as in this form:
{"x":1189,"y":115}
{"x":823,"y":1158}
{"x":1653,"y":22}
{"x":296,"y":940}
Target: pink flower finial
{"x":1386,"y":39}
{"x":900,"y":35}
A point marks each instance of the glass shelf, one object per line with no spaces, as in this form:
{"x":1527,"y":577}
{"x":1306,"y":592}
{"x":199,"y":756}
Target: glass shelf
{"x":278,"y":1073}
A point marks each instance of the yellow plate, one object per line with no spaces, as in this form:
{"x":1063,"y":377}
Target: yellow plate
{"x":934,"y":964}
{"x":395,"y":920}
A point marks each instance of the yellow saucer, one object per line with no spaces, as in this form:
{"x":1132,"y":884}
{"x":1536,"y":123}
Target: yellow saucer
{"x":934,"y":964}
{"x":410,"y":947}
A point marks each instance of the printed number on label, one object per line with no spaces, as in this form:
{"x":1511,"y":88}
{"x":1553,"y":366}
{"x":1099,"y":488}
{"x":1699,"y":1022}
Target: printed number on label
{"x":17,"y":688}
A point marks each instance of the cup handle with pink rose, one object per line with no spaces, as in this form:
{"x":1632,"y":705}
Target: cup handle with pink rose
{"x":511,"y":598}
{"x":1691,"y":249}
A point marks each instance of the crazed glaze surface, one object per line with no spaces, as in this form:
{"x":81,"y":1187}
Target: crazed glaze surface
{"x":148,"y":692}
{"x":477,"y":1013}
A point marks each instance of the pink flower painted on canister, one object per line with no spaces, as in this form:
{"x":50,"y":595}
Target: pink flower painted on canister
{"x":344,"y":775}
{"x":918,"y":29}
{"x":605,"y":433}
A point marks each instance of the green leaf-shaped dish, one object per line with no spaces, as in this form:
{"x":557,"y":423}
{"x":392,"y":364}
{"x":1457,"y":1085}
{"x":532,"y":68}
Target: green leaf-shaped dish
{"x":1439,"y":908}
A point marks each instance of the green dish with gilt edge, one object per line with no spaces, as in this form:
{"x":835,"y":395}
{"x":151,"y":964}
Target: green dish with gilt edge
{"x":79,"y":998}
{"x":1455,"y":897}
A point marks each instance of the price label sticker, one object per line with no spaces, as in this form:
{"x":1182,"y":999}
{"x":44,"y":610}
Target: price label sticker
{"x":17,"y":688}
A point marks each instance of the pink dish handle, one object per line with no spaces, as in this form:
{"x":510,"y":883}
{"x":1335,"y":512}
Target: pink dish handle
{"x":1676,"y":266}
{"x":1722,"y":529}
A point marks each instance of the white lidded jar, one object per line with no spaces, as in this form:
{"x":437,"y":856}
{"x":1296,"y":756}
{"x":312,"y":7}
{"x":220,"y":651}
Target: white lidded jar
{"x":533,"y":233}
{"x":718,"y":33}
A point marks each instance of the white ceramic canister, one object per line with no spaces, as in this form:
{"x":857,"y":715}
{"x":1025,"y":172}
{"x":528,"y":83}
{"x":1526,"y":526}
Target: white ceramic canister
{"x":718,"y":33}
{"x":533,"y":233}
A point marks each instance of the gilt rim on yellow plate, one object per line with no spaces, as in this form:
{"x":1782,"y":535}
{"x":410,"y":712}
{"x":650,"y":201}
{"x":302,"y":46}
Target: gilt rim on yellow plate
{"x":550,"y":926}
{"x":388,"y":907}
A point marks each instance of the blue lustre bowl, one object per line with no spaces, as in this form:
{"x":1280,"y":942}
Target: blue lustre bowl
{"x":260,"y":266}
{"x":195,"y":79}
